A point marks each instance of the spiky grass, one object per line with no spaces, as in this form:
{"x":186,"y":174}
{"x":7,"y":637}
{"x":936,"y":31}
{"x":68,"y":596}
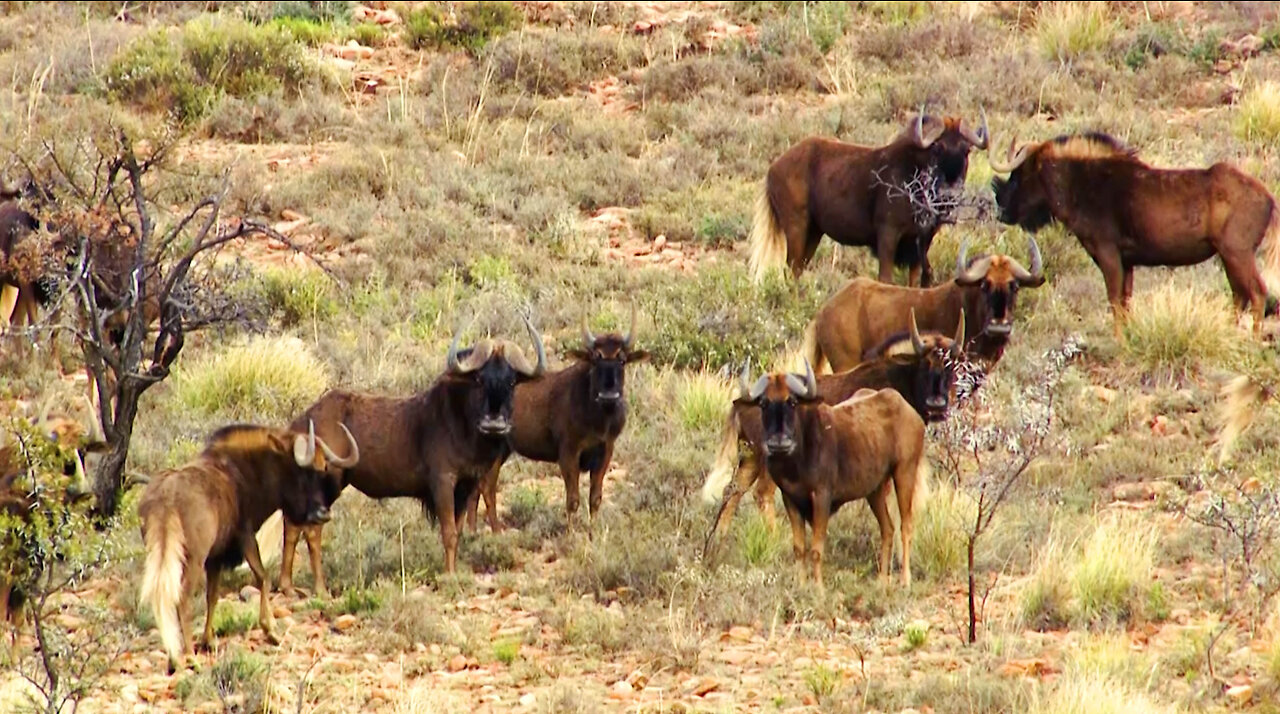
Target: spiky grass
{"x":1258,"y":114}
{"x":1068,"y":30}
{"x":1178,"y":328}
{"x":260,"y":378}
{"x":1092,"y":693}
{"x":1110,"y":580}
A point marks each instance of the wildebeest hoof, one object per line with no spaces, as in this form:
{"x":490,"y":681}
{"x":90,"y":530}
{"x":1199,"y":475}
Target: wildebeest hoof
{"x":273,"y":638}
{"x":206,"y":645}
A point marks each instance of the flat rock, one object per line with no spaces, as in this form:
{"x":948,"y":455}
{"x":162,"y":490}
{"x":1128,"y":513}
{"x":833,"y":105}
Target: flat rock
{"x":345,"y":622}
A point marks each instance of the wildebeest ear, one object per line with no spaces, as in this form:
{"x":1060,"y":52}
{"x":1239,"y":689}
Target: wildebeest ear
{"x":637,"y":355}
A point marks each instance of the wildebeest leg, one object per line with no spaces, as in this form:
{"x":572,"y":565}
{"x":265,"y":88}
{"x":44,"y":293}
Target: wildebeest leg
{"x":312,"y":534}
{"x":569,"y":473}
{"x":746,"y":474}
{"x":904,"y":485}
{"x":291,"y":533}
{"x":1246,"y":284}
{"x":764,"y":494}
{"x":184,"y":613}
{"x":801,"y":242}
{"x":799,"y":546}
{"x":254,"y":559}
{"x":821,"y":514}
{"x":1127,"y":293}
{"x":212,"y":576}
{"x":886,"y":249}
{"x":596,"y":495}
{"x":8,"y":299}
{"x":5,"y":589}
{"x":1107,"y":258}
{"x":880,"y":507}
{"x":489,"y":487}
{"x":442,"y":490}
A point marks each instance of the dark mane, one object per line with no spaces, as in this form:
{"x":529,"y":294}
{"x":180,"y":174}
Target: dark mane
{"x":894,"y":339}
{"x":1089,"y":145}
{"x":237,"y":436}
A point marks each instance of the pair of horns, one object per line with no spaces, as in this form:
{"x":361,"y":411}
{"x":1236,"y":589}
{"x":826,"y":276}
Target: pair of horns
{"x":917,"y":342}
{"x":304,"y":448}
{"x":980,"y":139}
{"x":806,"y":389}
{"x":976,"y":272}
{"x":1014,"y":158}
{"x":590,"y":339}
{"x":484,"y":350}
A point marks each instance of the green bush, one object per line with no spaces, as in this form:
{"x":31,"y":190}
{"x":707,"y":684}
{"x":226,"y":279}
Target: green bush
{"x":299,"y":297}
{"x":305,"y":30}
{"x":474,"y":26}
{"x":188,"y":70}
{"x":263,"y":377}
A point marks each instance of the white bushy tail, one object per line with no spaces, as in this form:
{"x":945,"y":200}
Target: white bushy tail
{"x":271,"y":539}
{"x":1240,"y":399}
{"x":162,"y":579}
{"x":812,"y":351}
{"x":726,"y":463}
{"x":768,"y":243}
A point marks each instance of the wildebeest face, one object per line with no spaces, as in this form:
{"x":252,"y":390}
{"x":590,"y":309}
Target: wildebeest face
{"x":1022,"y":201}
{"x":608,"y":356}
{"x":935,"y":373}
{"x":998,"y":279}
{"x":780,"y":395}
{"x":946,"y":144}
{"x":493,"y":370}
{"x":315,"y":478}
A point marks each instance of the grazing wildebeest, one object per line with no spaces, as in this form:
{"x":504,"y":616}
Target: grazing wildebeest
{"x":924,"y":375}
{"x":207,"y":512}
{"x":434,"y":446}
{"x":859,"y":196}
{"x":1126,"y":213}
{"x":571,"y":418}
{"x":823,"y":456}
{"x":866,"y":312}
{"x":17,"y":496}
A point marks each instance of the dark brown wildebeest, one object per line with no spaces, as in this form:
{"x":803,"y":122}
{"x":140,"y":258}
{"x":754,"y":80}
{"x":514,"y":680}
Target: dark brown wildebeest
{"x":866,"y":312}
{"x":924,"y":375}
{"x":206,"y":513}
{"x":862,"y":196}
{"x":434,"y":446}
{"x":1126,"y":213}
{"x":74,"y":444}
{"x":571,"y":418}
{"x":20,"y":294}
{"x":823,"y":456}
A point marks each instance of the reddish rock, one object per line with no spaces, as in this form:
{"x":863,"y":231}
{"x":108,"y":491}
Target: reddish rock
{"x":457,"y":663}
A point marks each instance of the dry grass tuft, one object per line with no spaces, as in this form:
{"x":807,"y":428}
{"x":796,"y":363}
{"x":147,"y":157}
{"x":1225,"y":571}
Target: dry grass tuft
{"x":1090,"y":693}
{"x":1110,"y":580}
{"x":1067,"y":30}
{"x":938,"y":546}
{"x":1180,"y":328}
{"x":1258,"y":114}
{"x":261,"y":378}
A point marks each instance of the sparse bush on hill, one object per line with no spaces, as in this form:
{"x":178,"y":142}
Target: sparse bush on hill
{"x":189,"y":70}
{"x":269,"y":378}
{"x":474,"y":25}
{"x":1067,"y":30}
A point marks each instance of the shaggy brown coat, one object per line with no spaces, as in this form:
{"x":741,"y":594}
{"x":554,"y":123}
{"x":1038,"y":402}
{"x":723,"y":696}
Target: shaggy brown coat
{"x":823,"y":456}
{"x":571,"y":418}
{"x":854,"y":194}
{"x":207,"y":513}
{"x":865,"y":312}
{"x":924,"y":376}
{"x":434,"y":446}
{"x":1127,"y":213}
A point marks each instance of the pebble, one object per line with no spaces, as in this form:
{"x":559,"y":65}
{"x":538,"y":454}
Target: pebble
{"x":457,"y":663}
{"x":528,"y":700}
{"x":345,"y":622}
{"x":248,"y":593}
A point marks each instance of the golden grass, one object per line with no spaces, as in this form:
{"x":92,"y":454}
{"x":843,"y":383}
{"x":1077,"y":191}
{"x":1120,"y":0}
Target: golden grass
{"x":261,"y":378}
{"x":1111,"y":577}
{"x":938,"y":544}
{"x":1258,"y":114}
{"x":702,"y":399}
{"x":1066,"y":30}
{"x":1092,"y":693}
{"x":1180,"y":327}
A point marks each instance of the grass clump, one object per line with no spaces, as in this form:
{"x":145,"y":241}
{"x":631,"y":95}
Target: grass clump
{"x":938,"y":546}
{"x":822,"y":681}
{"x":701,"y":400}
{"x":474,"y":25}
{"x":1068,"y":30}
{"x":506,"y":651}
{"x":233,"y":619}
{"x":298,"y":296}
{"x":1091,"y":693}
{"x":308,"y":31}
{"x":1258,"y":115}
{"x":759,"y":546}
{"x":261,"y":377}
{"x":187,"y":71}
{"x":241,"y":675}
{"x":1180,"y":328}
{"x":1045,"y":601}
{"x":1111,"y":578}
{"x":916,"y":634}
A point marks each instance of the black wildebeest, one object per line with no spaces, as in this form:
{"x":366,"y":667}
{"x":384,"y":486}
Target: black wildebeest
{"x":21,"y":291}
{"x":205,"y":514}
{"x":18,"y":495}
{"x":823,"y":456}
{"x":1127,"y":213}
{"x":924,"y":375}
{"x":861,"y":196}
{"x":866,"y":312}
{"x":571,"y":418}
{"x":434,"y":446}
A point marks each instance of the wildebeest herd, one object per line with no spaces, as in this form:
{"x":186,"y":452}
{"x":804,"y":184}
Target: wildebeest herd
{"x":821,"y":439}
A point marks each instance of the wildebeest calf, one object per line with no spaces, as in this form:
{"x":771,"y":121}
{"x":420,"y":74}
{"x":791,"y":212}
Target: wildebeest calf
{"x":207,"y":512}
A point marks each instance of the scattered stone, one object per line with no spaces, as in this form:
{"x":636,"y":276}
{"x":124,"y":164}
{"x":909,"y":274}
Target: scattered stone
{"x":738,"y":632}
{"x":345,"y":622}
{"x":457,"y":663}
{"x":528,"y":700}
{"x":248,"y":593}
{"x":705,"y":687}
{"x":638,"y":679}
{"x":281,"y":612}
{"x":621,"y":689}
{"x":1240,"y":694}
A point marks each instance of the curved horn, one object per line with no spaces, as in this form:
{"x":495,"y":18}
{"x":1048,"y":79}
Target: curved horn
{"x":304,"y":449}
{"x":96,"y":432}
{"x":969,"y":275}
{"x":916,"y":342}
{"x":744,"y":391}
{"x":809,"y":388}
{"x":961,"y":258}
{"x":1034,"y":278}
{"x":957,"y":346}
{"x":1015,"y":160}
{"x":451,"y":361}
{"x":758,"y":388}
{"x":982,"y":138}
{"x":336,"y":460}
{"x":631,"y":329}
{"x":538,"y":349}
{"x":588,"y":339}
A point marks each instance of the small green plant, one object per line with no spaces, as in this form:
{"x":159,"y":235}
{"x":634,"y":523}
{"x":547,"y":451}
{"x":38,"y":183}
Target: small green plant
{"x":1110,"y":579}
{"x":1157,"y":602}
{"x":305,"y":30}
{"x":760,"y":546}
{"x":916,"y":633}
{"x":299,"y":296}
{"x":506,"y":651}
{"x":368,"y":34}
{"x":360,"y":601}
{"x":822,"y":681}
{"x":1066,"y":30}
{"x":473,"y":26}
{"x":233,"y":619}
{"x":241,"y":675}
